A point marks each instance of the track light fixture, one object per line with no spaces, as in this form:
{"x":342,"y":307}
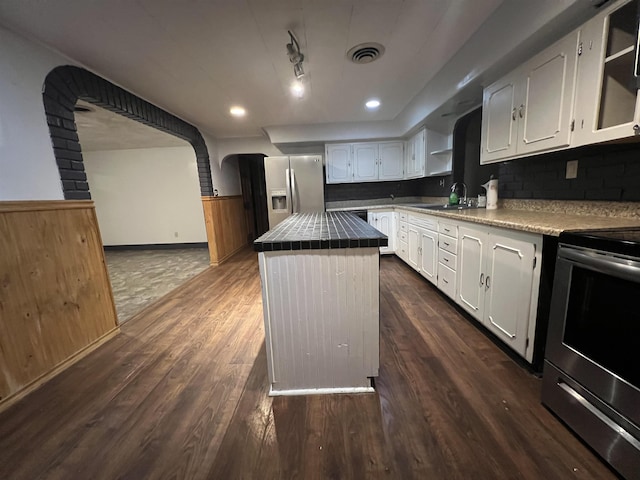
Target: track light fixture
{"x":295,"y":56}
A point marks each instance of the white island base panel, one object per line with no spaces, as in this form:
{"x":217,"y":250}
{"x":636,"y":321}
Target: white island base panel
{"x":321,"y":315}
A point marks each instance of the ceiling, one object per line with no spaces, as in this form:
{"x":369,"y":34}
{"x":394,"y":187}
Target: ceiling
{"x":197,"y":59}
{"x":99,"y":129}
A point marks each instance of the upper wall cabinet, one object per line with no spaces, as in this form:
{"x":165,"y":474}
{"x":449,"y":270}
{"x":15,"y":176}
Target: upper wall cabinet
{"x":607,"y":106}
{"x":415,"y":156}
{"x":364,"y":162}
{"x":338,"y":158}
{"x":530,"y":110}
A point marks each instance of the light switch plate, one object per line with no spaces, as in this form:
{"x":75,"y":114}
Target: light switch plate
{"x":572,"y":169}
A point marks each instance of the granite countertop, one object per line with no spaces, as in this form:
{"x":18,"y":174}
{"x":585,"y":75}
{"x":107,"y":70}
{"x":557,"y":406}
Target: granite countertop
{"x":548,"y":222}
{"x":312,"y":231}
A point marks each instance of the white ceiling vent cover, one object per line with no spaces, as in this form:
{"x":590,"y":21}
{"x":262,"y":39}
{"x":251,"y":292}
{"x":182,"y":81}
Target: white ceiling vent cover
{"x":365,"y":53}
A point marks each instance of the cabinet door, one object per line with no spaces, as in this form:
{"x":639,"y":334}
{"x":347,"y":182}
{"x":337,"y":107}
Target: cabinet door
{"x":429,"y":257}
{"x":409,"y":152}
{"x":338,"y":157}
{"x":390,"y":161}
{"x":548,"y":85}
{"x":471,"y":283}
{"x":385,"y":224}
{"x":417,"y":156}
{"x":509,"y":278}
{"x":607,"y":106}
{"x":365,"y":162}
{"x":499,"y":120}
{"x":413,"y":245}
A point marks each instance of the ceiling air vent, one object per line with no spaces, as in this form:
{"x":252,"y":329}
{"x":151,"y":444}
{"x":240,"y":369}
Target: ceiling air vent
{"x":365,"y":53}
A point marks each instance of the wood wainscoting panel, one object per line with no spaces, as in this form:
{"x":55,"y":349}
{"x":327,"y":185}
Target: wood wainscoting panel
{"x":55,"y":295}
{"x":226,"y":226}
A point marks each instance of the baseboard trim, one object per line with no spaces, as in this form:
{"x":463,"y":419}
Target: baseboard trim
{"x":228,"y":257}
{"x":157,"y":246}
{"x":41,"y":380}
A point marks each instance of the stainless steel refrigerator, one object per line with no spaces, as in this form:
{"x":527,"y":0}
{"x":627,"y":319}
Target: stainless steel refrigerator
{"x":295,"y":184}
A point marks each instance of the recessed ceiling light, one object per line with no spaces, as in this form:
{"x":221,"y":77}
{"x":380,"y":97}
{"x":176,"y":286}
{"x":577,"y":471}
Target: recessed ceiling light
{"x":372,"y":104}
{"x":237,"y":111}
{"x":297,"y":89}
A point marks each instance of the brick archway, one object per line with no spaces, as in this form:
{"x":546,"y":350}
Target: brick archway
{"x":64,"y":85}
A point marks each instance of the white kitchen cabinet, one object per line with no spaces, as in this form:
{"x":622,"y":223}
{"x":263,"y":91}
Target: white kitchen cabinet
{"x":447,"y":258}
{"x":415,"y":157}
{"x":338,"y":163}
{"x":607,"y":104}
{"x":384,"y":222}
{"x":499,"y":272}
{"x":422,"y":245}
{"x":402,"y":246}
{"x":530,"y":109}
{"x":364,"y":162}
{"x":390,"y":161}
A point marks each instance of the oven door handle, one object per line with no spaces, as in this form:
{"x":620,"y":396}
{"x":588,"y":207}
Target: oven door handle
{"x":618,"y":267}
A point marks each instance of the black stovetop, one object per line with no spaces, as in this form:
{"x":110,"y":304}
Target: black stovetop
{"x":624,"y":241}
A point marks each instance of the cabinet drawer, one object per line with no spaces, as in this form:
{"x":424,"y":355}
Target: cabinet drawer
{"x":448,"y":229}
{"x":403,"y":236}
{"x":447,"y":280}
{"x":447,"y":258}
{"x":449,"y":244}
{"x":403,"y":227}
{"x":402,"y":250}
{"x":425,"y":222}
{"x":403,"y":216}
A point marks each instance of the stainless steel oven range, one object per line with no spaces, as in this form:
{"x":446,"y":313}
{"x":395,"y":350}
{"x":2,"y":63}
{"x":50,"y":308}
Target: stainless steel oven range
{"x":592,"y":358}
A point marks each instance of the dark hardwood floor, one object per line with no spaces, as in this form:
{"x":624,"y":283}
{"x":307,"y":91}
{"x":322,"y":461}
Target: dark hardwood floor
{"x":182,"y":393}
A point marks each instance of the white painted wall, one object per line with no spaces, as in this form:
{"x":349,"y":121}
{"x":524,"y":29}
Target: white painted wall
{"x":226,"y":178}
{"x":144,"y":196}
{"x":28,"y":168}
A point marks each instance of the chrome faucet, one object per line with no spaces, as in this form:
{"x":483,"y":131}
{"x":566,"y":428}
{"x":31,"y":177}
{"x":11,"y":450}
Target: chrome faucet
{"x":461,"y":200}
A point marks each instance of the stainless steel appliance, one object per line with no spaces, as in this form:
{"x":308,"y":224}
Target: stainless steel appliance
{"x":592,"y":360}
{"x":295,"y":184}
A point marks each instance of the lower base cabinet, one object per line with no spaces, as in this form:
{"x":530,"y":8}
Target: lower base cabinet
{"x":499,"y":275}
{"x":422,"y":246}
{"x":492,"y":273}
{"x":385,"y":222}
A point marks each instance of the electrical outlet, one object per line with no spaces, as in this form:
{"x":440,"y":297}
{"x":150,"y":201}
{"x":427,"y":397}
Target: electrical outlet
{"x":572,"y":169}
{"x":175,"y":234}
{"x":442,"y":182}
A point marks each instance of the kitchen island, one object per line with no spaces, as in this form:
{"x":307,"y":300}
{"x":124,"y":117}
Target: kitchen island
{"x":320,"y":295}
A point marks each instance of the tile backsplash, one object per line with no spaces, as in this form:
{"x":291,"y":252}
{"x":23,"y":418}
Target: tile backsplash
{"x":419,"y":187}
{"x":605,"y":172}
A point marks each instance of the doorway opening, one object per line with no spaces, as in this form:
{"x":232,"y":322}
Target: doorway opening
{"x":145,"y":189}
{"x":254,"y":192}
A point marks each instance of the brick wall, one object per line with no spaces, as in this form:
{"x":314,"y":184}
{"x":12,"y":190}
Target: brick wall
{"x":605,"y":172}
{"x":65,"y":85}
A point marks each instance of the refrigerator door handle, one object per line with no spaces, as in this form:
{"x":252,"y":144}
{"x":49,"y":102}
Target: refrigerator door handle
{"x":295,"y":208}
{"x":289,"y":199}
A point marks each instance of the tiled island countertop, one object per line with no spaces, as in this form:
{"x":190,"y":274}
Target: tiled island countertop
{"x":547,"y":218}
{"x":311,"y":231}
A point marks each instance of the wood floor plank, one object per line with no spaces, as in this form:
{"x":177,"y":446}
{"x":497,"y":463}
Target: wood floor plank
{"x":182,"y":393}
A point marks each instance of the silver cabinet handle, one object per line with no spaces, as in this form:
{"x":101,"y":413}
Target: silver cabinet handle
{"x":446,"y":260}
{"x":445,"y":244}
{"x":521,"y":111}
{"x":445,"y":280}
{"x":481,"y":279}
{"x":487,"y":282}
{"x":513,"y":114}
